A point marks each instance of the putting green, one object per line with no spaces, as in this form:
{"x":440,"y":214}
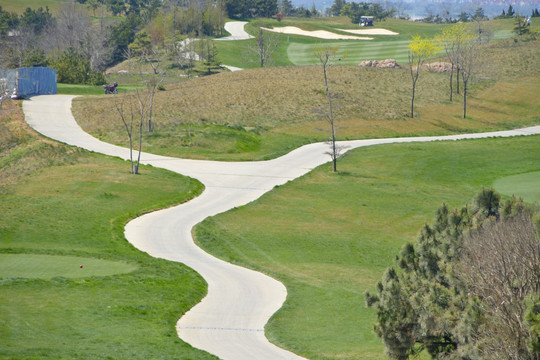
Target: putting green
{"x":526,"y":186}
{"x":49,"y":266}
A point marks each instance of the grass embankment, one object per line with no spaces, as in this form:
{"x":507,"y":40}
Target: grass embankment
{"x":61,"y":208}
{"x":329,"y":236}
{"x":263,"y":113}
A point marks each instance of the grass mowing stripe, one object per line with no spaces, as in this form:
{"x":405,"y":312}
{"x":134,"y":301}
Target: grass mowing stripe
{"x":351,"y":52}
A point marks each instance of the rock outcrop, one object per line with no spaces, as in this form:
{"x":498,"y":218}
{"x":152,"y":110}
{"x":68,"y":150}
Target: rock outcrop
{"x":388,"y":63}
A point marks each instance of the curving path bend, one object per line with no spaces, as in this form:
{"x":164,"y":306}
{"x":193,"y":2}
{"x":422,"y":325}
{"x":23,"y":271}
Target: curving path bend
{"x":236,"y":29}
{"x":230,"y":320}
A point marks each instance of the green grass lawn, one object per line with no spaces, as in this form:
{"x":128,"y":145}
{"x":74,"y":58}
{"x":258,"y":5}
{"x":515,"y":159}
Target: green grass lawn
{"x":34,"y":266}
{"x":19,"y":6}
{"x":329,"y":236}
{"x":522,"y":185}
{"x":62,"y":208}
{"x":75,"y":89}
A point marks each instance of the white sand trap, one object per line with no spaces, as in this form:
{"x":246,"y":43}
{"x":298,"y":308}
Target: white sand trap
{"x":321,"y":34}
{"x":370,"y":32}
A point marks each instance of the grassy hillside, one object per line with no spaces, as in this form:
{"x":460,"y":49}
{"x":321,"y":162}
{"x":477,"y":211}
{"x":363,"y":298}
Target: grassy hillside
{"x":19,"y":6}
{"x":261,"y":113}
{"x":62,"y":208}
{"x":330,"y":236}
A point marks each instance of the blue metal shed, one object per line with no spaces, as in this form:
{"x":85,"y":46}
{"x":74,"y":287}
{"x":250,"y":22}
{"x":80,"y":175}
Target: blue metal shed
{"x":36,"y":81}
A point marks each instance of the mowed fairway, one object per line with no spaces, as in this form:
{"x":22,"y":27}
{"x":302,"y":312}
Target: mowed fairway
{"x":329,"y":236}
{"x":351,"y":52}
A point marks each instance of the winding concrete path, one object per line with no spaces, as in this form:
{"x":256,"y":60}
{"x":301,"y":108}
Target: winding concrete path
{"x":230,"y":320}
{"x":236,"y":29}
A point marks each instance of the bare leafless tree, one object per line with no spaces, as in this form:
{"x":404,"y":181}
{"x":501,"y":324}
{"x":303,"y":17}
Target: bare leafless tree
{"x":468,"y":63}
{"x":128,"y":119}
{"x":326,"y":56}
{"x":263,"y":46}
{"x":19,"y":46}
{"x":134,"y":110}
{"x":154,"y":59}
{"x":73,"y":28}
{"x":500,"y":263}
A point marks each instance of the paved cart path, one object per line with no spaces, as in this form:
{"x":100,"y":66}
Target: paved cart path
{"x":230,"y":320}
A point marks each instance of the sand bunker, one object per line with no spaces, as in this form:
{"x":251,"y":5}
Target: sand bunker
{"x":321,"y":34}
{"x":370,"y":32}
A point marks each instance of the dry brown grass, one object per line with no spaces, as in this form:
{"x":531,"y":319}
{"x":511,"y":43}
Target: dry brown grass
{"x":372,"y":102}
{"x":22,"y":150}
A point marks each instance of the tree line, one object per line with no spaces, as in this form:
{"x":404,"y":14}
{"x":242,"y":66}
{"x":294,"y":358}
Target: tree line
{"x":469,"y":288}
{"x":355,"y":10}
{"x":81,"y":48}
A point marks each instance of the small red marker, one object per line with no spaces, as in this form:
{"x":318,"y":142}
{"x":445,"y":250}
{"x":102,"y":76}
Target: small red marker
{"x":80,"y":266}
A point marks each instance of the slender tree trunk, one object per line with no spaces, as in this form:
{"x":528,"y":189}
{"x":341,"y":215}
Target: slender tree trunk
{"x":140,"y":146}
{"x":151,"y":105}
{"x":451,"y":80}
{"x":464,"y":99}
{"x":331,"y":114}
{"x":131,"y":153}
{"x":331,"y":117}
{"x":457,"y":80}
{"x":412,"y":98}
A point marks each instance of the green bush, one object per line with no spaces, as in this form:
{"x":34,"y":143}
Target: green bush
{"x":74,"y":68}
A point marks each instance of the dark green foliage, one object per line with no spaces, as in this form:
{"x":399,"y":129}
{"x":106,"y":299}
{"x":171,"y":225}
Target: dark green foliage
{"x":37,"y":20}
{"x":30,"y":20}
{"x":336,"y":7}
{"x":356,"y":10}
{"x":463,"y":17}
{"x":510,"y":12}
{"x":251,"y":8}
{"x":8,"y":21}
{"x":121,"y":35}
{"x":424,"y":305}
{"x":486,"y":202}
{"x":117,"y":7}
{"x":74,"y":68}
{"x":533,"y":319}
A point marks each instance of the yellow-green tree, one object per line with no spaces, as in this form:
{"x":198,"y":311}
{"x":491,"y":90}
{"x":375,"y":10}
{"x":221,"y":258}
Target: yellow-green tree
{"x":419,"y":51}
